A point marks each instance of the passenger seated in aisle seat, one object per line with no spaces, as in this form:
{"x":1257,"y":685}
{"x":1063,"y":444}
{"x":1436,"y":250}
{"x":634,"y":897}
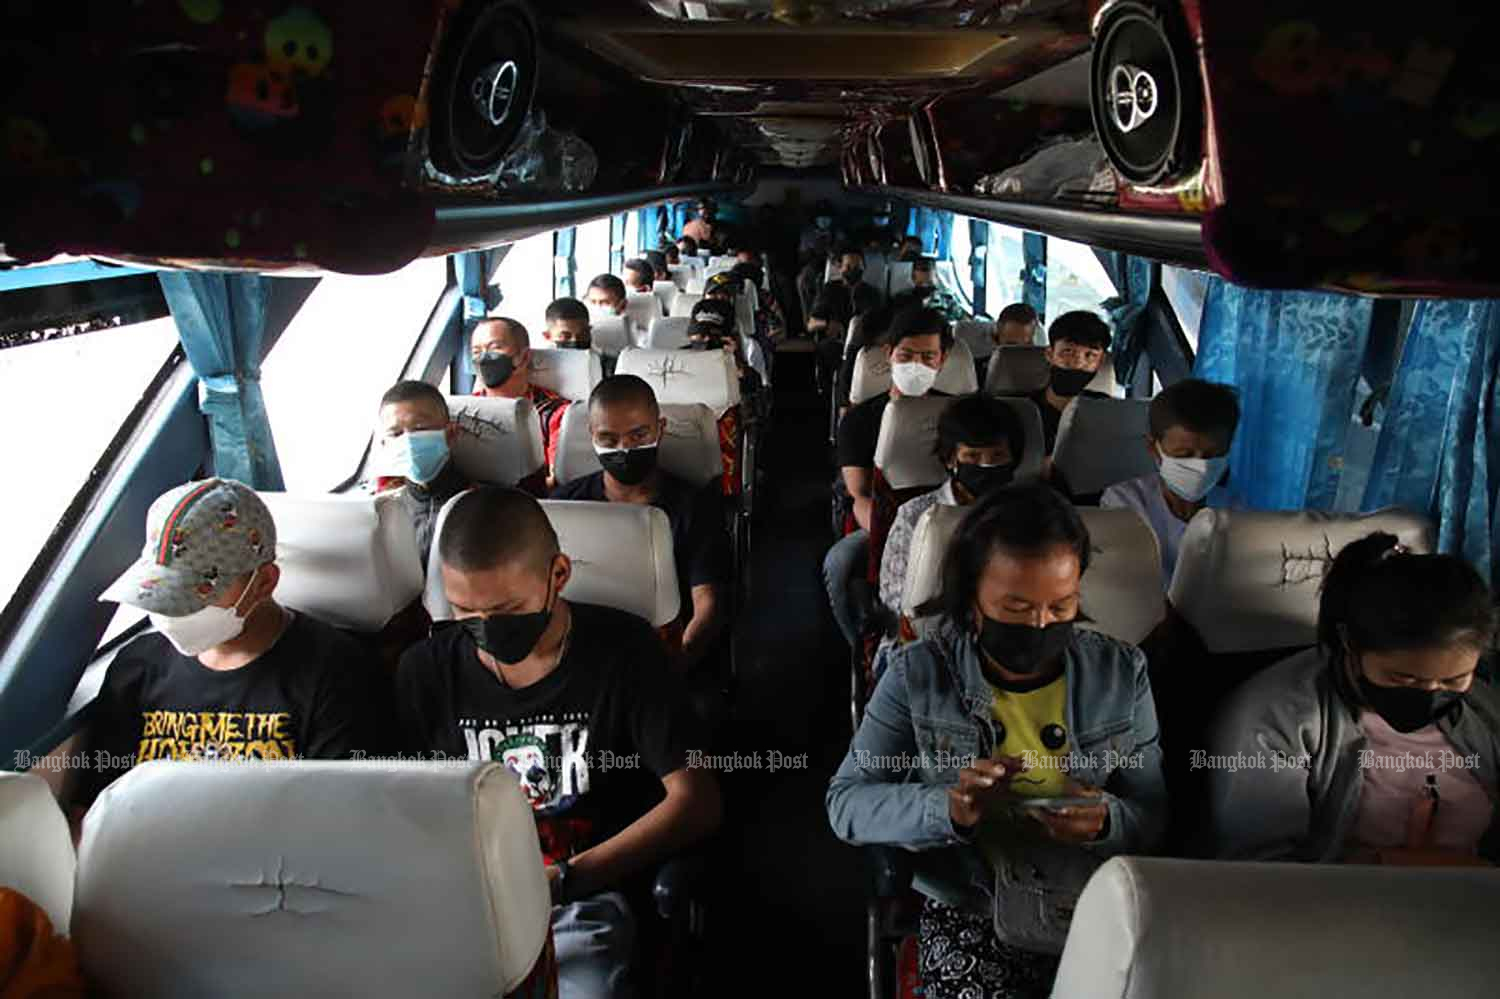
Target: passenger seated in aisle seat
{"x":501,"y":351}
{"x":701,"y":228}
{"x":411,"y":454}
{"x":658,"y":261}
{"x":917,"y":343}
{"x":924,"y":284}
{"x":673,"y":254}
{"x":639,"y":274}
{"x":1192,"y":426}
{"x":981,"y":442}
{"x":724,"y":286}
{"x":1016,"y":326}
{"x":228,"y":673}
{"x":1062,"y":713}
{"x":851,"y":274}
{"x":1079,"y":343}
{"x":605,"y":296}
{"x":1386,"y":736}
{"x":711,"y":327}
{"x":687,"y":246}
{"x":627,"y":427}
{"x":910,"y":249}
{"x":555,"y":690}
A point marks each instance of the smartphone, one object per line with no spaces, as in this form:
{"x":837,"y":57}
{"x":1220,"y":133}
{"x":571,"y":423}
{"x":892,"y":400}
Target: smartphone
{"x":1076,"y":801}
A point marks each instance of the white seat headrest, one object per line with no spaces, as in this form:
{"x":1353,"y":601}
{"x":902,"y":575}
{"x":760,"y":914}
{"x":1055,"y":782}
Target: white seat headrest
{"x":856,"y":323}
{"x":1104,"y":382}
{"x":665,"y":292}
{"x":899,"y":276}
{"x":744,"y":313}
{"x":681,"y":273}
{"x":1155,"y":928}
{"x":906,"y":448}
{"x":686,"y":376}
{"x":1017,"y":371}
{"x":1120,"y":592}
{"x":362,"y":878}
{"x":347,"y":559}
{"x":1248,"y":580}
{"x":610,"y":335}
{"x":570,"y":373}
{"x":977,"y":334}
{"x":621,"y":552}
{"x":1101,"y":442}
{"x":499,"y":440}
{"x":1117,"y":590}
{"x":872,"y":373}
{"x":876,"y":268}
{"x":36,"y":847}
{"x":640,"y":308}
{"x":668,"y":333}
{"x":683,"y":304}
{"x":690,"y":450}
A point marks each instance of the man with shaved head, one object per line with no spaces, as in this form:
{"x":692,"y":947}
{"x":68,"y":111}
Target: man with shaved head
{"x":627,"y":427}
{"x":573,"y":698}
{"x":501,"y":351}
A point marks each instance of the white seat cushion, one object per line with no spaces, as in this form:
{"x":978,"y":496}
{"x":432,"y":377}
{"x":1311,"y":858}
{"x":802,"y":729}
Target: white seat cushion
{"x":610,"y":335}
{"x":686,"y":376}
{"x":304,"y":878}
{"x":640,"y":308}
{"x":905,"y":450}
{"x":1104,"y":380}
{"x":572,"y":374}
{"x":1016,"y":371}
{"x":898,"y":276}
{"x":346,"y":559}
{"x":872,"y":373}
{"x":978,"y":335}
{"x":499,"y":440}
{"x":1118,"y":594}
{"x":36,"y":847}
{"x":1248,"y":580}
{"x":665,"y":292}
{"x":1103,"y":441}
{"x":668,"y":333}
{"x":622,"y":557}
{"x":1154,"y":928}
{"x":690,"y":450}
{"x":683,"y":304}
{"x":744,"y":312}
{"x":681,"y":274}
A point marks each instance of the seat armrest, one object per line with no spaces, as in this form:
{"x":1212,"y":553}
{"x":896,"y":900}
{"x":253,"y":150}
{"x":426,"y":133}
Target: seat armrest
{"x":890,"y":870}
{"x":679,"y":882}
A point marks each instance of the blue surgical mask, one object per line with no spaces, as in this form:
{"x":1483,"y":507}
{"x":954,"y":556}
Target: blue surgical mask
{"x":416,"y":456}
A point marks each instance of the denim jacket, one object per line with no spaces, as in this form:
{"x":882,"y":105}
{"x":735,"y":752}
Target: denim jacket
{"x":932,"y":708}
{"x":1284,"y":765}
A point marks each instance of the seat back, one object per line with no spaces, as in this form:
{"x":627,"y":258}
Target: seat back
{"x":976,"y":334}
{"x":1016,"y":371}
{"x":686,"y":376}
{"x":877,"y":268}
{"x":1120,"y":592}
{"x":346,"y":559}
{"x":611,"y":335}
{"x":872,"y":373}
{"x":898,"y":277}
{"x":36,"y":848}
{"x":683,"y":304}
{"x":361,"y":878}
{"x":640,"y":308}
{"x":681,"y":275}
{"x":1101,"y":442}
{"x":668,"y":333}
{"x":1155,"y":928}
{"x":621,"y":553}
{"x":665,"y":292}
{"x":689,"y":450}
{"x":572,"y":374}
{"x":499,"y":440}
{"x":744,"y":312}
{"x":906,"y":448}
{"x":1104,"y":382}
{"x":1248,"y":580}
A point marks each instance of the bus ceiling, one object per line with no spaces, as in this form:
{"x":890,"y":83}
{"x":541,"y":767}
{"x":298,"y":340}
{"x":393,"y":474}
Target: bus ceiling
{"x":1343,"y":146}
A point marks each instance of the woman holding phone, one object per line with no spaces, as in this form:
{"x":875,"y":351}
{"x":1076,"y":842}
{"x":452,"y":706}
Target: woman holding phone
{"x":1011,"y":751}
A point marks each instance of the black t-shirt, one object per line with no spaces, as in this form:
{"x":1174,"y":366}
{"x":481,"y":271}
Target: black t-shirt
{"x":1052,"y":418}
{"x":700,"y":541}
{"x":589,"y":742}
{"x":312,"y":695}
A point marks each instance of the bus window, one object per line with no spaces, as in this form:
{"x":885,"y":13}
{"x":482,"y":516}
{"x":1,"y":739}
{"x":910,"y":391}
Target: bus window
{"x":633,"y":245}
{"x":591,"y":251}
{"x":960,"y":248}
{"x":346,"y":345}
{"x":76,"y":387}
{"x":1075,"y":279}
{"x":1004,"y":262}
{"x":1185,"y":290}
{"x":524,"y":278}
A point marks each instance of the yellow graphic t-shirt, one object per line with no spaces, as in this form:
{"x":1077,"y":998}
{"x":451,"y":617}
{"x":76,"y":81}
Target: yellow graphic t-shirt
{"x":1029,"y":726}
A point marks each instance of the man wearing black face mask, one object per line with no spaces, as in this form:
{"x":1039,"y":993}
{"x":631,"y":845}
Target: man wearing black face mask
{"x":627,"y":428}
{"x":851,"y":274}
{"x":500,"y":349}
{"x":558,"y":691}
{"x":1078,"y":344}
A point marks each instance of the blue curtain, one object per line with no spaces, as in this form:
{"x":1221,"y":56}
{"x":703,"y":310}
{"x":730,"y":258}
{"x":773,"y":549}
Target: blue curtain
{"x":680,"y":213}
{"x":1295,"y":358}
{"x":472,"y":271}
{"x":1034,"y":272}
{"x":650,"y":228}
{"x":221,"y":319}
{"x":1437,"y":449}
{"x":1133,"y":278}
{"x":934,"y":228}
{"x":979,"y":246}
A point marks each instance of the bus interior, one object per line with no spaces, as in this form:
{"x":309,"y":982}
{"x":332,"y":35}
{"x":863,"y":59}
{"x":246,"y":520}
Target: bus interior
{"x":230,"y":229}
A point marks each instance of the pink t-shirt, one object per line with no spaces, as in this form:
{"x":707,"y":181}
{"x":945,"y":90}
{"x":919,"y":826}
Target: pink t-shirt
{"x":1396,"y":768}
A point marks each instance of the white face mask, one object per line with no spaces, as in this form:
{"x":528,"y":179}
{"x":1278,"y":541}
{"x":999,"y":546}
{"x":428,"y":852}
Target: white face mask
{"x":598,"y":312}
{"x":913,"y":378}
{"x":201,"y":630}
{"x":1192,"y":478}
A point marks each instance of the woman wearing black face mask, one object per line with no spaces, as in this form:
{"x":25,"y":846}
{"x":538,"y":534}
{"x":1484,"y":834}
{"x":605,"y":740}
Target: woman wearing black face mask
{"x":1389,"y":739}
{"x":1010,"y":750}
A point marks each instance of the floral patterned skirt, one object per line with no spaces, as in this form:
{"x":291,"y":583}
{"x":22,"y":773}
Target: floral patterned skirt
{"x":959,"y":957}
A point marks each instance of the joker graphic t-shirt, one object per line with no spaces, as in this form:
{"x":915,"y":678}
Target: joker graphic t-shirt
{"x":588,"y":743}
